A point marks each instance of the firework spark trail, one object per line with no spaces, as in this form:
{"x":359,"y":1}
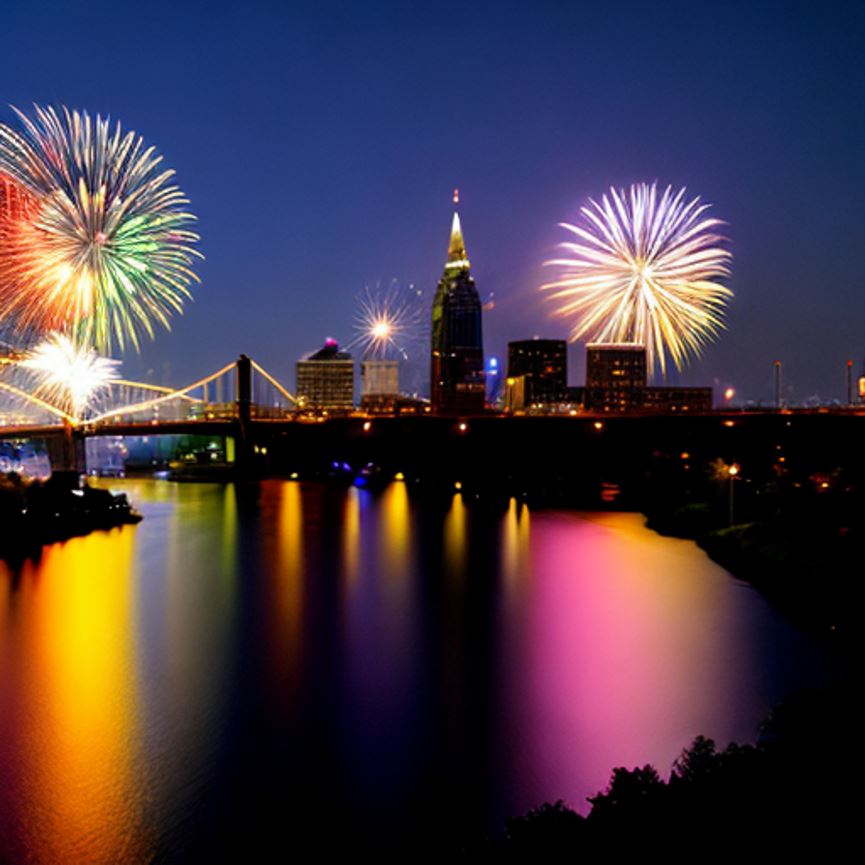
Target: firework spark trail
{"x":387,"y":322}
{"x":644,"y":269}
{"x":68,"y":376}
{"x":94,"y":238}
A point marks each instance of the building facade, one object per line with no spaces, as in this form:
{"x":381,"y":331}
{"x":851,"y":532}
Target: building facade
{"x":616,"y":382}
{"x":325,"y":379}
{"x":457,"y":384}
{"x":543,"y":364}
{"x":615,"y":376}
{"x":379,"y":384}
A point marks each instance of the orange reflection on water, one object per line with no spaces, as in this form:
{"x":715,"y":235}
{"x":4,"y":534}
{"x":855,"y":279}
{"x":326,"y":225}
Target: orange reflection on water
{"x":395,"y":540}
{"x":516,"y":562}
{"x":283,"y":590}
{"x":78,"y":733}
{"x":351,"y":536}
{"x":455,"y":539}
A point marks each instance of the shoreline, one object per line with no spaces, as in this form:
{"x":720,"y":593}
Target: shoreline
{"x":36,"y":514}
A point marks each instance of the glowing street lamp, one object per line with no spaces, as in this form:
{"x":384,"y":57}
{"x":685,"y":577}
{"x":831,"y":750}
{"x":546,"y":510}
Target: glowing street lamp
{"x":732,"y":472}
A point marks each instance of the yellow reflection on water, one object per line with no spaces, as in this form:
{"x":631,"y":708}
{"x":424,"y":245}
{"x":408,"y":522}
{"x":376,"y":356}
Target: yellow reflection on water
{"x":289,"y":577}
{"x":351,"y":536}
{"x":80,"y":698}
{"x":455,"y":538}
{"x":395,"y":542}
{"x":515,"y":549}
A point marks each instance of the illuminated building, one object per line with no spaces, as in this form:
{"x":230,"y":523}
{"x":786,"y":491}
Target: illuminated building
{"x":457,"y":363}
{"x":671,"y":400}
{"x":616,"y":382}
{"x":379,"y":384}
{"x":543,"y":363}
{"x":515,"y":393}
{"x":325,"y":379}
{"x":494,"y":380}
{"x":615,"y":376}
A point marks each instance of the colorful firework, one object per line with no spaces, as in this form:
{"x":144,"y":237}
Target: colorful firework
{"x":94,"y":237}
{"x":68,"y":376}
{"x":644,"y":269}
{"x":387,"y":322}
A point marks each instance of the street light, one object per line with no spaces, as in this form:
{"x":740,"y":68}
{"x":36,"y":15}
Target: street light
{"x":732,"y":471}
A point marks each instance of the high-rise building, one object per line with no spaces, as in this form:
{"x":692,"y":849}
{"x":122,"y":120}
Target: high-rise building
{"x":457,"y":364}
{"x":325,"y":379}
{"x":544,"y":365}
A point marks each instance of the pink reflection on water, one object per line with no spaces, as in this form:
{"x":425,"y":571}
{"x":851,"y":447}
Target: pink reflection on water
{"x":630,"y":645}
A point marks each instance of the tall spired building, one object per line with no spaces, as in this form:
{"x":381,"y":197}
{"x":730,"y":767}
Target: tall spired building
{"x":457,"y":368}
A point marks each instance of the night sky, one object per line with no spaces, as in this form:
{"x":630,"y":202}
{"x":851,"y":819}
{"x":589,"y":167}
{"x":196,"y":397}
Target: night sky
{"x":319,"y":145}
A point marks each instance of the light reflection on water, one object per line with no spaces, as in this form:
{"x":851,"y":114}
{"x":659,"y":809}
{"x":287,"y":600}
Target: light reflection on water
{"x":297,"y":647}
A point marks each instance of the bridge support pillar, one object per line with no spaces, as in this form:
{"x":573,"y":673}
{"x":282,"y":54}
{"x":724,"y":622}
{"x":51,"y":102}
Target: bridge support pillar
{"x":243,"y":443}
{"x":66,"y":452}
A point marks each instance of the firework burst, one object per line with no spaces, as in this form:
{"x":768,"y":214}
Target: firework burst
{"x":643,"y":268}
{"x":94,"y":236}
{"x":68,"y":376}
{"x":388,"y":322}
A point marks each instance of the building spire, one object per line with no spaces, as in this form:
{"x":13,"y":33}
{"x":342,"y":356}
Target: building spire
{"x":457,"y":255}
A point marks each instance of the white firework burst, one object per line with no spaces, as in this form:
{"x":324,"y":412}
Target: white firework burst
{"x":644,"y":268}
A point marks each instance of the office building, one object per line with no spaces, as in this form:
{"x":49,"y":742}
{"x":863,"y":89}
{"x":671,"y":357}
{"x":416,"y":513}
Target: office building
{"x":325,"y":379}
{"x":543,"y":364}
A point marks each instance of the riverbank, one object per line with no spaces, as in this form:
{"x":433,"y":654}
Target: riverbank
{"x":796,"y":790}
{"x":34,"y":513}
{"x":803,"y":563}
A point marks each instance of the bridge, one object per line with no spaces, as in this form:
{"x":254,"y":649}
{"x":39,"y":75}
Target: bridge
{"x":229,"y":402}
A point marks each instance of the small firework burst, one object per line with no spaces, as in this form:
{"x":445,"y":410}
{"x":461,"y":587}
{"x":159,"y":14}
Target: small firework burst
{"x":388,"y":322}
{"x":68,"y":376}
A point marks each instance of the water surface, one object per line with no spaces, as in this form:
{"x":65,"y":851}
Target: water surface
{"x":306,"y":664}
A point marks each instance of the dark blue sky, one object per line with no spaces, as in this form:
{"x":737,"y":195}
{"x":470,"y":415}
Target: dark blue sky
{"x":319,"y":145}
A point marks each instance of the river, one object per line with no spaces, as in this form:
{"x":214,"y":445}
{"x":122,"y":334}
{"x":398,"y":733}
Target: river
{"x":304,"y":664}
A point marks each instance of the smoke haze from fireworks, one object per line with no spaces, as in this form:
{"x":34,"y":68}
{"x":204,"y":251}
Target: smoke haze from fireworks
{"x":644,"y":268}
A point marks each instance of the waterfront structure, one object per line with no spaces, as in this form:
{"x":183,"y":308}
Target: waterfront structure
{"x":325,"y":379}
{"x":457,"y":363}
{"x":543,"y":364}
{"x":379,"y":384}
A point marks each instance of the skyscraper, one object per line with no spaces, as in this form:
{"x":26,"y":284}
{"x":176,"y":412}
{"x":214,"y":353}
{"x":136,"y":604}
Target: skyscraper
{"x":457,"y":363}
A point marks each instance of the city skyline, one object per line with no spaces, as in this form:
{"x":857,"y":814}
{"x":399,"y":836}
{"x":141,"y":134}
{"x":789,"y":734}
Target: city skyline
{"x":358,"y":194}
